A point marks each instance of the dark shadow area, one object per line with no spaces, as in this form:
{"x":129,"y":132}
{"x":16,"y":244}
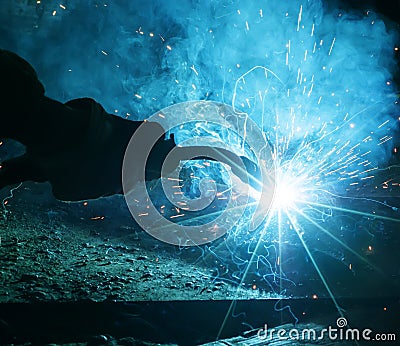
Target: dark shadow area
{"x":181,"y":322}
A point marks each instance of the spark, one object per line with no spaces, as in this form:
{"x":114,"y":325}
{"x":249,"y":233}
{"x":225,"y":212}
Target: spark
{"x":7,"y":199}
{"x":323,"y":155}
{"x":330,"y":49}
{"x":194,"y":70}
{"x":176,"y":216}
{"x":311,"y":257}
{"x":308,"y":175}
{"x":299,"y":17}
{"x":97,"y":218}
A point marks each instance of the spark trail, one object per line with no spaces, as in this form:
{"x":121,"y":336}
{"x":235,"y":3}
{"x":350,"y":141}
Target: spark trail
{"x":322,"y":158}
{"x":318,"y":82}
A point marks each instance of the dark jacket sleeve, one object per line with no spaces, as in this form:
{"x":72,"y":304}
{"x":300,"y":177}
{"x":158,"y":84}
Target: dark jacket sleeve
{"x":20,"y":86}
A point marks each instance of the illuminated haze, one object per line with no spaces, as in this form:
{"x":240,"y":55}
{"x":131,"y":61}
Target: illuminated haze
{"x":309,"y":75}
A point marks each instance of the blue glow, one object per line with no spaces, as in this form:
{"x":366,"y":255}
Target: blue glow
{"x":318,"y":83}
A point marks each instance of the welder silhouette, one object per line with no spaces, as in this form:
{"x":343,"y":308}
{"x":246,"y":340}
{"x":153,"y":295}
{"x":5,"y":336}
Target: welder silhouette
{"x":77,"y":146}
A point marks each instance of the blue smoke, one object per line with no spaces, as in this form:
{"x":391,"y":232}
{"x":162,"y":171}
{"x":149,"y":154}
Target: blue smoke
{"x":304,"y":74}
{"x":318,"y":82}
